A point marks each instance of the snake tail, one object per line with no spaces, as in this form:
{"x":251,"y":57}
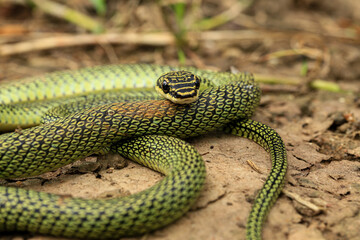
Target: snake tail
{"x":44,"y":213}
{"x":271,"y":141}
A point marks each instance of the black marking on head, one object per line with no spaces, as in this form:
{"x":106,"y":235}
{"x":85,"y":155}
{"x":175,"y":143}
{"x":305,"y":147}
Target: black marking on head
{"x":182,"y":85}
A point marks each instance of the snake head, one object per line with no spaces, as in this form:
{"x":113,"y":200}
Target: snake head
{"x":181,"y":87}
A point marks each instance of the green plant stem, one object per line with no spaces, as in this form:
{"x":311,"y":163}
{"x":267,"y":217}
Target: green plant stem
{"x":69,"y":15}
{"x":320,"y":84}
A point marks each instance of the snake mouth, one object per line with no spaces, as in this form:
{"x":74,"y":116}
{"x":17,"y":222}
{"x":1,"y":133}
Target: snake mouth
{"x":183,"y":100}
{"x":177,"y":98}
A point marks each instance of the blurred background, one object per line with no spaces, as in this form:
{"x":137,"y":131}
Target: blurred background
{"x":304,"y":53}
{"x":300,"y":38}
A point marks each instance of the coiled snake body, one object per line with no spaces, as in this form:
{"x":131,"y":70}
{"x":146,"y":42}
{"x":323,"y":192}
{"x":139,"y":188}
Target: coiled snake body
{"x":91,"y":122}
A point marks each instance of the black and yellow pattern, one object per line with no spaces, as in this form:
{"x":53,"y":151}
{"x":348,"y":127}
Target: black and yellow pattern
{"x":86,"y":127}
{"x":181,"y":87}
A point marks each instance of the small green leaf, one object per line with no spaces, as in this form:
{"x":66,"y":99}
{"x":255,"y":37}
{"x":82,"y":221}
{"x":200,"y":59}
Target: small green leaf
{"x":179,"y":9}
{"x":181,"y":56}
{"x":304,"y":68}
{"x":100,"y":6}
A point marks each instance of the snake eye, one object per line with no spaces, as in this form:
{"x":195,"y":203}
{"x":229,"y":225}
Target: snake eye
{"x":165,"y":86}
{"x":197,"y":82}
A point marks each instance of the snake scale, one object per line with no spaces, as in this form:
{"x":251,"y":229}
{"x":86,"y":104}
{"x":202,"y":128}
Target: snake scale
{"x":112,"y":107}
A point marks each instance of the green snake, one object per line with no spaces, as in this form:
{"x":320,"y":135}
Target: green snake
{"x":92,"y":109}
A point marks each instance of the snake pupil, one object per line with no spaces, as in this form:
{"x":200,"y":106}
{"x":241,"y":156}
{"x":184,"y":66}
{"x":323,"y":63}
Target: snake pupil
{"x":165,"y":86}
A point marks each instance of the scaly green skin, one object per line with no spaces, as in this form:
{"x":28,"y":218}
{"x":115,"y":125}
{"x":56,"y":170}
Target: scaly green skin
{"x":24,"y":210}
{"x":24,"y":102}
{"x":86,"y":80}
{"x":271,"y":142}
{"x":46,"y":147}
{"x":30,"y":114}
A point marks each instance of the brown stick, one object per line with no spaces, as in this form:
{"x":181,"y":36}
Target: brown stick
{"x":156,"y":39}
{"x":153,"y":39}
{"x":304,"y":202}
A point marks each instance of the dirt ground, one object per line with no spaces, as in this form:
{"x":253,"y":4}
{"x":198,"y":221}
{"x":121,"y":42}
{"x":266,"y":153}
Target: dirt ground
{"x":293,"y":43}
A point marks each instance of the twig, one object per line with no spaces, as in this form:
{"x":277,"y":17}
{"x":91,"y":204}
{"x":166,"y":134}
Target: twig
{"x":309,"y":52}
{"x":271,"y":79}
{"x":266,"y":88}
{"x":304,"y":202}
{"x":110,"y":52}
{"x":253,"y":166}
{"x":218,"y":20}
{"x":153,"y":39}
{"x":156,"y":39}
